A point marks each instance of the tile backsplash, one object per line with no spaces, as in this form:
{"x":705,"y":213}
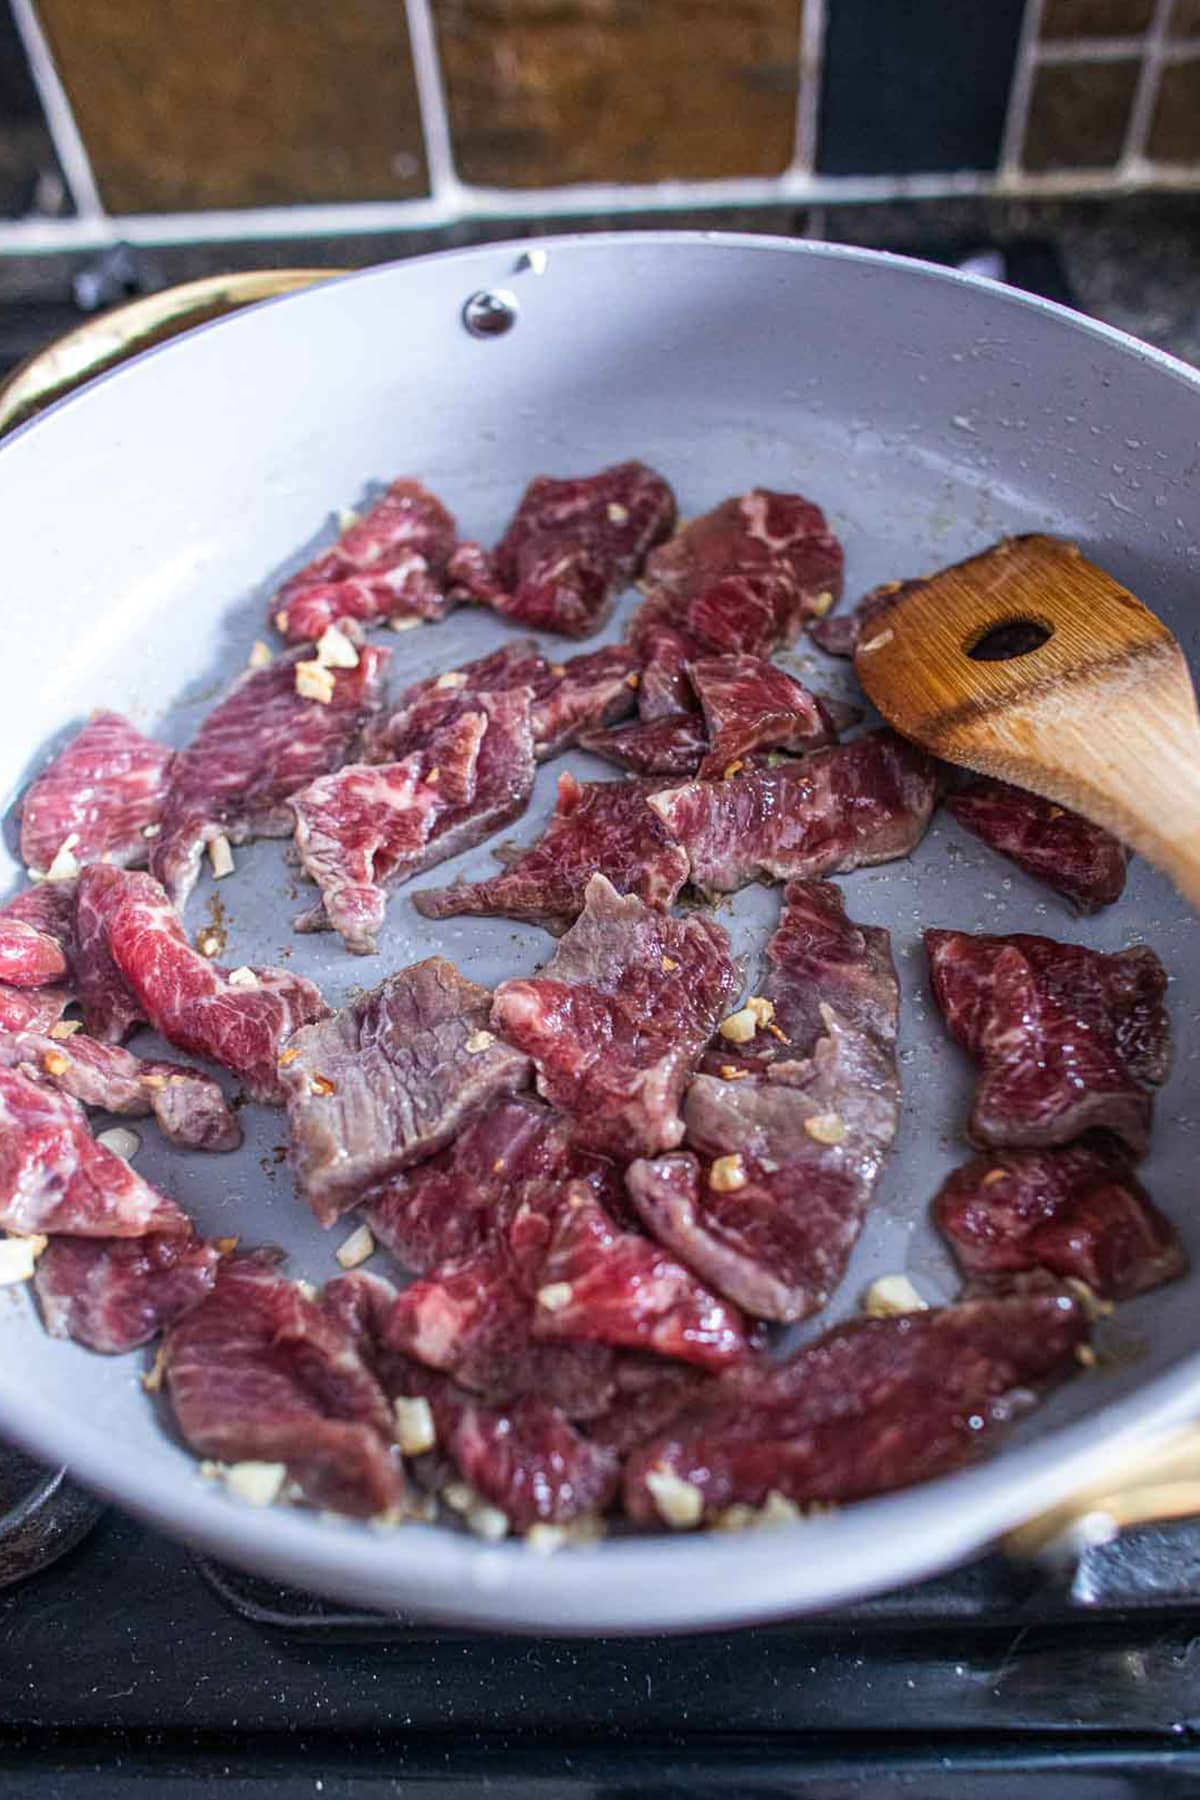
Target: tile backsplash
{"x":160,"y":120}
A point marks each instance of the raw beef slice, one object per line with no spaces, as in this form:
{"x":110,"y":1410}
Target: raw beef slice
{"x":390,"y":1079}
{"x":241,"y":1018}
{"x":617,"y":1019}
{"x":110,"y":1011}
{"x":570,"y":547}
{"x":258,"y":747}
{"x":101,"y":798}
{"x":388,"y":564}
{"x":189,"y":1106}
{"x":1078,"y":859}
{"x":1067,"y":1039}
{"x":794,"y":1121}
{"x":29,"y":958}
{"x":603,"y":826}
{"x":863,"y":802}
{"x":749,"y":705}
{"x":112,"y":1294}
{"x":673,"y":745}
{"x":259,"y":1372}
{"x":873,"y":1405}
{"x":1077,"y":1212}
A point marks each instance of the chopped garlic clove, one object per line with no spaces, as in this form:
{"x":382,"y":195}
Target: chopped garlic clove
{"x":545,"y":1539}
{"x":220,"y":856}
{"x":314,"y":682}
{"x":260,"y":655}
{"x":892,"y":1295}
{"x":488,"y":1522}
{"x":121,"y":1141}
{"x":243,"y":977}
{"x":826,"y":1128}
{"x":415,"y":1429}
{"x":66,"y":1028}
{"x":727,"y":1174}
{"x":453,"y":678}
{"x":555,"y":1295}
{"x":347,"y":518}
{"x":335,"y":650}
{"x":403,"y":622}
{"x":357,"y":1248}
{"x":678,"y":1503}
{"x":478,"y":1042}
{"x":739,"y":1027}
{"x":18,"y":1258}
{"x":64,"y":866}
{"x":256,"y":1483}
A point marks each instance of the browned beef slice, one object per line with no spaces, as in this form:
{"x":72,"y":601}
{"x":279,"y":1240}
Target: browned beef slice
{"x":862,"y":802}
{"x":871,"y":1406}
{"x":597,"y":825}
{"x":1066,"y":1038}
{"x":618,"y":1018}
{"x":391,"y":1078}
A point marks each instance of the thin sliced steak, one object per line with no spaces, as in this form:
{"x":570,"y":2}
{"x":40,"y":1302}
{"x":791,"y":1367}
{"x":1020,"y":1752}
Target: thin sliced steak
{"x":55,"y":1177}
{"x":673,"y":745}
{"x":603,"y":826}
{"x":112,"y":1294}
{"x":616,"y":1287}
{"x":570,"y":548}
{"x":871,"y":1406}
{"x":1077,"y":1212}
{"x":240,"y":1019}
{"x":259,"y":1372}
{"x":29,"y":958}
{"x":863,"y":802}
{"x":618,"y":1018}
{"x":101,"y":798}
{"x":749,"y":705}
{"x":1078,"y":859}
{"x":388,"y":564}
{"x":664,"y":689}
{"x":392,"y":1078}
{"x":110,"y":1011}
{"x":258,"y":747}
{"x":1067,"y":1039}
{"x":582,"y":694}
{"x":431,"y":702}
{"x":794,"y":1123}
{"x":743,"y":577}
{"x":33,"y":1009}
{"x":188,"y":1105}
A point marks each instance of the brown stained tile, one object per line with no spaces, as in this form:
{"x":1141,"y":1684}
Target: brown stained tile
{"x":1185,"y":19}
{"x":1175,"y":129}
{"x":1095,"y":18}
{"x":1077,"y":115}
{"x":549,"y":91}
{"x":240,"y":102}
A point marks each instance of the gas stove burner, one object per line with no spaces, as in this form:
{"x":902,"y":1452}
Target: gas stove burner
{"x":42,"y":1515}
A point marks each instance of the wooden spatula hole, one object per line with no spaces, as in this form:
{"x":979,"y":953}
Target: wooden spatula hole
{"x":1014,"y":637}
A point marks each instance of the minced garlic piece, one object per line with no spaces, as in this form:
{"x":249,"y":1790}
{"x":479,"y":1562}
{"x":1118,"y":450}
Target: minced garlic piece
{"x":243,"y":977}
{"x":347,"y":518}
{"x":152,"y":1380}
{"x":357,"y":1248}
{"x":679,"y":1504}
{"x":121,"y":1141}
{"x":404,"y":622}
{"x":210,"y":940}
{"x":308,"y":1289}
{"x":668,"y":965}
{"x":821,"y":605}
{"x":732,"y":769}
{"x":151,"y":831}
{"x":225,"y":1246}
{"x":335,"y":650}
{"x":415,"y":1429}
{"x":890,"y":1296}
{"x":826,"y":1128}
{"x":314,"y":682}
{"x":779,"y":1510}
{"x":220,"y":856}
{"x":763,"y":1010}
{"x":18,"y":1255}
{"x":260,"y":655}
{"x":488,"y":1522}
{"x":545,"y":1539}
{"x":739,"y":1027}
{"x":288,"y":1056}
{"x":1085,"y":1356}
{"x":66,"y":1028}
{"x":993,"y":1176}
{"x":257,"y":1483}
{"x":156,"y":1083}
{"x":478,"y":1042}
{"x":876,"y":643}
{"x":64,"y":867}
{"x":727,"y":1174}
{"x":731,"y":1072}
{"x":453,"y":678}
{"x":460,"y":1496}
{"x":55,"y":1063}
{"x":320,"y":1085}
{"x":1088,"y":1298}
{"x":633,"y":680}
{"x":617,"y":514}
{"x":555,"y":1295}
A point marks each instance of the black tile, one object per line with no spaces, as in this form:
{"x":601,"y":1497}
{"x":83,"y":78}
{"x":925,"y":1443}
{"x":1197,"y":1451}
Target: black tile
{"x":915,"y":86}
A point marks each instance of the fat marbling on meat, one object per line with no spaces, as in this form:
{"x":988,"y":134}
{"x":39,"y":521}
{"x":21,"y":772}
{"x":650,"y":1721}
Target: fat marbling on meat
{"x":867,"y":801}
{"x":792,"y":1118}
{"x":101,"y":798}
{"x":1076,"y":1212}
{"x":260,"y":745}
{"x":1053,"y":844}
{"x":570,"y":547}
{"x":1067,"y":1039}
{"x":603,"y":826}
{"x":673,"y":745}
{"x":391,"y":1078}
{"x":112,"y":1294}
{"x":871,"y":1406}
{"x":388,"y":564}
{"x":617,"y":1019}
{"x":239,"y":1018}
{"x":261,"y":1372}
{"x":749,"y":704}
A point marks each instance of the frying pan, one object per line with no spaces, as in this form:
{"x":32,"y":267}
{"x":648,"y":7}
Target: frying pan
{"x":148,"y":518}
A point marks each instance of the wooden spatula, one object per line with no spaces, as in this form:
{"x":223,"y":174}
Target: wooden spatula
{"x":1100,"y":715}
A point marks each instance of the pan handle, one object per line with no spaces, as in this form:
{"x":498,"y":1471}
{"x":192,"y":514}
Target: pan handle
{"x":1157,"y":1481}
{"x":103,"y":342}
